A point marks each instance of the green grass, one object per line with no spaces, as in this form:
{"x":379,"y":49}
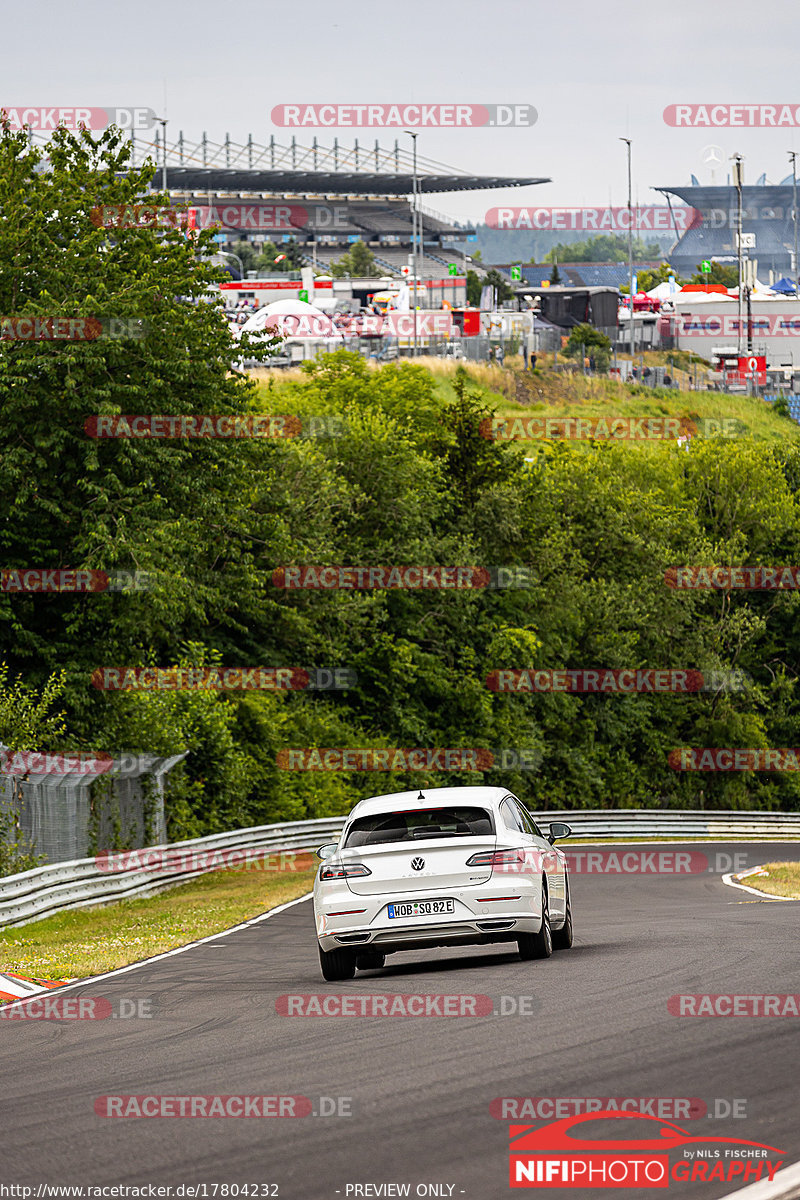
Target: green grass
{"x":517,"y":393}
{"x":89,"y":941}
{"x":778,"y":879}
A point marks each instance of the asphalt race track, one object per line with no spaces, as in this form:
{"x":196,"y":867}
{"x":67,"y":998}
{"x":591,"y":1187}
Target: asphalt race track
{"x":420,"y":1087}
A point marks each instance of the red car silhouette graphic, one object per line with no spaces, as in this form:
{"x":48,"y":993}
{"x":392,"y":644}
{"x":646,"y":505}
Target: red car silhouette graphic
{"x":555,"y":1137}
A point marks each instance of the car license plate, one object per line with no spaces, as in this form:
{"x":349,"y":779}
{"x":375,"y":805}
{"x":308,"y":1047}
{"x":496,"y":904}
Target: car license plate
{"x":422,"y":908}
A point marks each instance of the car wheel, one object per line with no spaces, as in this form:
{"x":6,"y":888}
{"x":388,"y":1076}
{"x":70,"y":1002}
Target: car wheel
{"x":538,"y":945}
{"x":370,"y":962}
{"x":337,"y":964}
{"x":562,"y":938}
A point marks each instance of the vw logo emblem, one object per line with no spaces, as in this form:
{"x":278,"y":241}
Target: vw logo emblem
{"x":417,"y":864}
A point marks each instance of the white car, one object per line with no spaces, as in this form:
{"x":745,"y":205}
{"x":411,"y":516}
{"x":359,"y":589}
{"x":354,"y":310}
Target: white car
{"x":453,"y":866}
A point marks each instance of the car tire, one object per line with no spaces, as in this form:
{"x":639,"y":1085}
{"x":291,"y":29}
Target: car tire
{"x":562,"y":938}
{"x":370,"y":962}
{"x":337,"y":964}
{"x":538,"y":945}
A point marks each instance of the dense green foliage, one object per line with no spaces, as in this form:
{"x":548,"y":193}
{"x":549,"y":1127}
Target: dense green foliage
{"x":474,"y":288}
{"x":649,"y":279}
{"x":605,"y":247}
{"x":586,"y":341}
{"x":722,"y":273}
{"x":406,"y":478}
{"x":283,"y":258}
{"x":357,"y":263}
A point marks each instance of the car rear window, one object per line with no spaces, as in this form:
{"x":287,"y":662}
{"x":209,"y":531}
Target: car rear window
{"x":419,"y":825}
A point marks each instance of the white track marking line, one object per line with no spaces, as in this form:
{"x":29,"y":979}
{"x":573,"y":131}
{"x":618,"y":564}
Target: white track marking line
{"x":730,"y":881}
{"x":144,"y":962}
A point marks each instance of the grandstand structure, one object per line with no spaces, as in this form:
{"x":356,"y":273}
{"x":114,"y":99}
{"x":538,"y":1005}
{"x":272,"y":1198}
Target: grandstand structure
{"x":767,"y":213}
{"x":366,"y":187}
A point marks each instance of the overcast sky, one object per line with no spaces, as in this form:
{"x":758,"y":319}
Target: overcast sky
{"x":594,"y":72}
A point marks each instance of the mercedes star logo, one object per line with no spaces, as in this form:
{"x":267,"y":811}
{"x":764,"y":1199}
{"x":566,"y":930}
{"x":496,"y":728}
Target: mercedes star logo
{"x":712,"y":156}
{"x":417,"y":864}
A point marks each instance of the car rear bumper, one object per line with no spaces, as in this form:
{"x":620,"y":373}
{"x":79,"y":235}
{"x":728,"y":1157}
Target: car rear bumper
{"x":477,"y":920}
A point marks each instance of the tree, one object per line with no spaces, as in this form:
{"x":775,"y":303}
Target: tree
{"x":721,"y":273}
{"x":555,"y":275}
{"x":284,"y":258}
{"x":358,"y":263}
{"x":246,"y":251}
{"x":474,"y":287}
{"x":26,"y":723}
{"x":603,"y":248}
{"x":586,"y":340}
{"x":172,"y":507}
{"x":494,"y":279}
{"x":648,"y":279}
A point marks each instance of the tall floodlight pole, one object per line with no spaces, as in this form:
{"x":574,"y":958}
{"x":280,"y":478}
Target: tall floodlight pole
{"x":163,"y":123}
{"x":414,"y":226}
{"x":627,"y":142}
{"x":738,"y":173}
{"x":793,"y":156}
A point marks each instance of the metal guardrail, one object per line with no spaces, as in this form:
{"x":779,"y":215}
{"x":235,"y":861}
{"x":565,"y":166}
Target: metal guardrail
{"x":33,"y":895}
{"x":665,"y":822}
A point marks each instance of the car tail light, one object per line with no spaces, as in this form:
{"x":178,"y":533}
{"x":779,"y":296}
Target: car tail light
{"x":346,"y":871}
{"x":496,"y":858}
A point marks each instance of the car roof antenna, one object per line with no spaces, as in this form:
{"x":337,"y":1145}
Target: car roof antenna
{"x":420,"y":796}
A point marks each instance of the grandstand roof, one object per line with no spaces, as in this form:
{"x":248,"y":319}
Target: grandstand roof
{"x":321,"y":183}
{"x":300,"y":169}
{"x":716,"y":196}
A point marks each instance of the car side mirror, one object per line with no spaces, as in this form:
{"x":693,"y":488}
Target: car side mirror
{"x":558,"y":830}
{"x":328,"y":850}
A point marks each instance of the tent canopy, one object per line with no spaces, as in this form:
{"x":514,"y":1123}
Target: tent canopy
{"x":295,"y":308}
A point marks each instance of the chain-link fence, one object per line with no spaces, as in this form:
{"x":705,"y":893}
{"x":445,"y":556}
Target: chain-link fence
{"x":61,"y":814}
